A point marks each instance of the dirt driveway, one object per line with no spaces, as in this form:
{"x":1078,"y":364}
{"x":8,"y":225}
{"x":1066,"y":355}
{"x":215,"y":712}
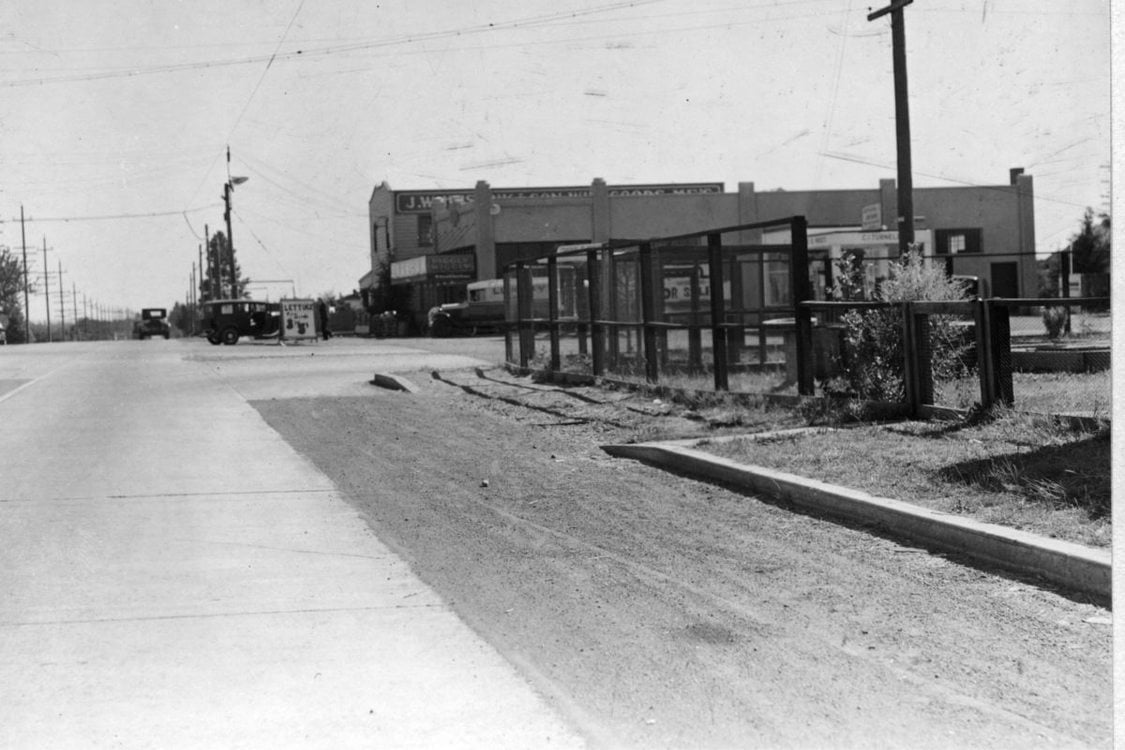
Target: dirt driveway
{"x":657,"y":611}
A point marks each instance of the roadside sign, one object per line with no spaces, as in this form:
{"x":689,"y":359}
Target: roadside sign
{"x":298,"y":319}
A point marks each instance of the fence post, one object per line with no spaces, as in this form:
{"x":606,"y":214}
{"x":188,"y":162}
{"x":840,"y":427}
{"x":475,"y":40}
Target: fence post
{"x":614,"y":336}
{"x":909,"y":359}
{"x":801,"y":292}
{"x":594,"y":298}
{"x":526,"y":328}
{"x":695,"y":337}
{"x":648,"y":314}
{"x":553,"y":311}
{"x":718,"y":334}
{"x":509,"y":342}
{"x":1001,"y":335}
{"x":982,"y":322}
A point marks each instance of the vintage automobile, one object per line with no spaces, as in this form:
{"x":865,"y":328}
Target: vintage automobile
{"x":482,"y":310}
{"x":225,"y":321}
{"x":153,"y":322}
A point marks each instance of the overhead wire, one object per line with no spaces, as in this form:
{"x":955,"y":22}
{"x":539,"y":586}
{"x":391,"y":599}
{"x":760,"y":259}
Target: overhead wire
{"x":529,"y":22}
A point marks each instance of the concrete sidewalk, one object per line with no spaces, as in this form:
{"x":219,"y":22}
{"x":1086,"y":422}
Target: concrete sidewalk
{"x":174,"y":575}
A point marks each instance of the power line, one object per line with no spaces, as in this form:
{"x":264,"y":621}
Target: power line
{"x":946,"y":178}
{"x":529,"y":22}
{"x":106,"y":217}
{"x":262,"y":77}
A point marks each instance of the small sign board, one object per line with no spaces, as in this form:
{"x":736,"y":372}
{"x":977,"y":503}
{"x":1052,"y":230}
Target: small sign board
{"x":298,"y":319}
{"x":1075,"y":285}
{"x":871,"y":219}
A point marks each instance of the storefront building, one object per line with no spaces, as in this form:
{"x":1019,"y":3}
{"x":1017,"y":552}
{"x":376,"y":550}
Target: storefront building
{"x":986,"y":232}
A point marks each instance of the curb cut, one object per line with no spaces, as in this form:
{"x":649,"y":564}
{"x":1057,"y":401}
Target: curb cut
{"x":1073,"y":566}
{"x":393,"y":382}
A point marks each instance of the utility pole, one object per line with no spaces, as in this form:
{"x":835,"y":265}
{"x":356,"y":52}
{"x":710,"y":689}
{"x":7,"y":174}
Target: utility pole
{"x":26,"y":309}
{"x":230,"y":237}
{"x":212,"y":264}
{"x":62,"y":304}
{"x":227,"y":189}
{"x":902,"y":123}
{"x":47,"y":288}
{"x":74,"y":300}
{"x":191,"y":300}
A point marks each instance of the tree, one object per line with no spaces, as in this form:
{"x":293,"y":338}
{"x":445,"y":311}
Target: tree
{"x":181,"y":318}
{"x":11,"y":295}
{"x":219,"y":255}
{"x":1090,"y":247}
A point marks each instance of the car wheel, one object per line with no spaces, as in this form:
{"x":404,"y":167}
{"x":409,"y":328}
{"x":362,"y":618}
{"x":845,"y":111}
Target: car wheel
{"x":441,"y":328}
{"x":213,"y":338}
{"x":229,"y":336}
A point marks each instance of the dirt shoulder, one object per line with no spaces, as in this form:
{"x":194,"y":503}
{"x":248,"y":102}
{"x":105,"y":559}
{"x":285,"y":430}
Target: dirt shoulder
{"x":659,"y":611}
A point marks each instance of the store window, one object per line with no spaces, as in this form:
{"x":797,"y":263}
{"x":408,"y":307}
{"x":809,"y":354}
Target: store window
{"x":425,"y":230}
{"x":957,"y":241}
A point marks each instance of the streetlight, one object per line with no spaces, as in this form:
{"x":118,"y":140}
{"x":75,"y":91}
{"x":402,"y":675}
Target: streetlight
{"x":228,"y":188}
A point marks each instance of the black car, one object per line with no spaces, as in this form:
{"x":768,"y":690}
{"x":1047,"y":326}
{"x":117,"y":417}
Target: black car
{"x":153,"y":322}
{"x":227,"y":320}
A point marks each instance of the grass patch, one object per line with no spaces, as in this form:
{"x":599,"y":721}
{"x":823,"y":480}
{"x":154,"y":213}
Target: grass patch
{"x":1026,"y":472}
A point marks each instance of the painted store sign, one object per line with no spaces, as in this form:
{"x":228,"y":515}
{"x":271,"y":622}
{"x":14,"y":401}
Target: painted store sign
{"x":420,"y":201}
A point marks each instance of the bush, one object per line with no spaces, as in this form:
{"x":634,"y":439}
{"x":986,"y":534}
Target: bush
{"x":871,"y":364}
{"x":1054,"y":320}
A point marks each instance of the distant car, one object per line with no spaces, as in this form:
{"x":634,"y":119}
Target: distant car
{"x":153,"y":322}
{"x":225,"y":321}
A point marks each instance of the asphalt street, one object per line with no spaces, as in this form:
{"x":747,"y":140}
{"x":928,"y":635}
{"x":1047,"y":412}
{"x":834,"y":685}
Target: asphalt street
{"x":173,"y":574}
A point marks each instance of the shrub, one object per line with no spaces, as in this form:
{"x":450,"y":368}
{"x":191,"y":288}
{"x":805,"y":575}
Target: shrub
{"x":871,"y":364}
{"x":1054,"y":319}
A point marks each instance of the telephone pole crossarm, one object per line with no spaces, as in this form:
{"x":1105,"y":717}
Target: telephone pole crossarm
{"x":897,"y":5}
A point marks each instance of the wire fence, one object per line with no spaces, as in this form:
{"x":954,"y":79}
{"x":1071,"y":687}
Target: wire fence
{"x":706,"y":310}
{"x":1059,"y":351}
{"x":722,"y":311}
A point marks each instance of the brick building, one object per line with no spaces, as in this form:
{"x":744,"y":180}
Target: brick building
{"x":429,"y":243}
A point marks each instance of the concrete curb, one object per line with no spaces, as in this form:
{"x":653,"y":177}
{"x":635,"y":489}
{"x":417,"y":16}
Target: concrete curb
{"x":393,"y":382}
{"x":1066,"y":564}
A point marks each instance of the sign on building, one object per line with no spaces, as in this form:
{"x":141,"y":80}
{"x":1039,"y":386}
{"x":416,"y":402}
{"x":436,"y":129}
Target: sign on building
{"x":298,"y":319}
{"x":872,"y":218}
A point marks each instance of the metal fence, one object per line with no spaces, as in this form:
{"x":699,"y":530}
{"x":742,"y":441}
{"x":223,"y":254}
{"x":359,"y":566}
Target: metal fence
{"x":1058,"y":354}
{"x":705,"y":310}
{"x":722,"y":310}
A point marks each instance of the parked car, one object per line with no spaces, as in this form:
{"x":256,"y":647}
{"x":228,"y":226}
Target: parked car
{"x":153,"y":322}
{"x":225,"y":321}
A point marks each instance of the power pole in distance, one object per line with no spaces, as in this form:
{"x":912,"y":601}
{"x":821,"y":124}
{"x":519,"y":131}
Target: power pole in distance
{"x":26,"y":309}
{"x":47,"y":288}
{"x":902,"y":123}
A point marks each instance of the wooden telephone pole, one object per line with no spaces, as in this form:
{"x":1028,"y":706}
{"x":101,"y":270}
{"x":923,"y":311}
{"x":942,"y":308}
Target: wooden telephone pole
{"x":902,"y":123}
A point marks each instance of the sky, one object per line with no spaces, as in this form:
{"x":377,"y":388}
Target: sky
{"x":116,"y":117}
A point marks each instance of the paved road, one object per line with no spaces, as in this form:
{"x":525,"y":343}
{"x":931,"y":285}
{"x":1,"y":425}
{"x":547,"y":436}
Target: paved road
{"x":172,"y":574}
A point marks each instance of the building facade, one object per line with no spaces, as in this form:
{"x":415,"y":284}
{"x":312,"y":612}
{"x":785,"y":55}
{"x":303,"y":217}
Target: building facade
{"x":429,"y":243}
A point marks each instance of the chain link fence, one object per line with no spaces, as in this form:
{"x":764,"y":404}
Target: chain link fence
{"x":723,"y":310}
{"x":1060,"y":355}
{"x":700,"y":311}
